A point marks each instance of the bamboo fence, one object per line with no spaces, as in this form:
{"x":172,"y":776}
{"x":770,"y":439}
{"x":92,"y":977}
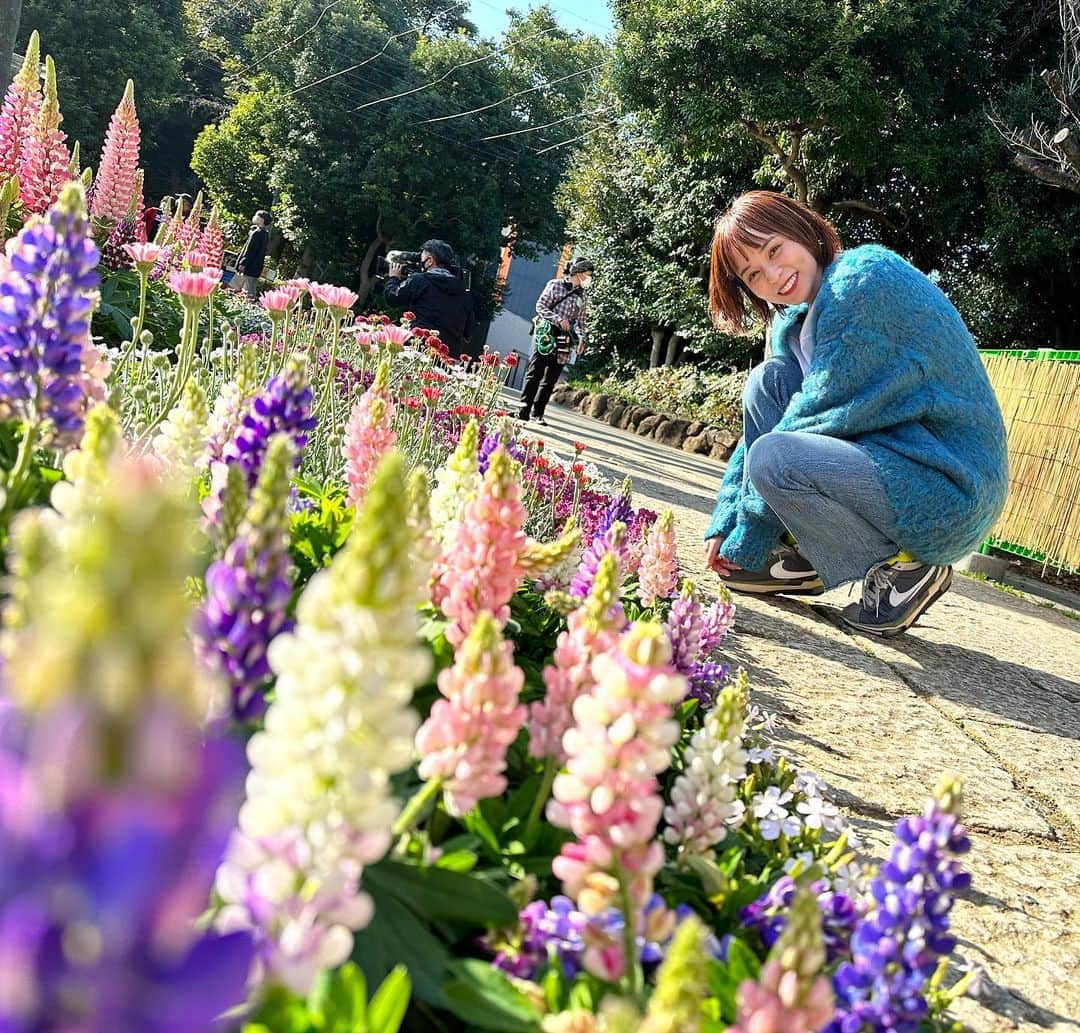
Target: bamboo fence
{"x":1040,"y":401}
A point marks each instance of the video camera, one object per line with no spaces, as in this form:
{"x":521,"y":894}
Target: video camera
{"x":410,"y":260}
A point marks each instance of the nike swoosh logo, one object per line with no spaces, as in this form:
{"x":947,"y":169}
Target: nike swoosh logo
{"x":781,"y":573}
{"x":899,"y":598}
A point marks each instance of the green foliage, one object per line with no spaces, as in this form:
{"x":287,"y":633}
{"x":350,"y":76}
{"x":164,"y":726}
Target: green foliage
{"x":317,"y":530}
{"x":348,"y":172}
{"x":97,"y":48}
{"x":685,"y":391}
{"x":485,"y":997}
{"x":120,"y":302}
{"x":338,"y":1003}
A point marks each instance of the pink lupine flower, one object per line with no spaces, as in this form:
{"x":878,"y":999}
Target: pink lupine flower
{"x":20,"y":111}
{"x":338,"y":299}
{"x":790,"y":995}
{"x":116,"y":179}
{"x":144,"y":256}
{"x":593,"y":628}
{"x":609,"y":794}
{"x":717,"y":621}
{"x":369,"y":434}
{"x":463,"y":743}
{"x":481,"y":569}
{"x":45,"y":162}
{"x":658,"y":573}
{"x":211,"y":243}
{"x":194,"y":288}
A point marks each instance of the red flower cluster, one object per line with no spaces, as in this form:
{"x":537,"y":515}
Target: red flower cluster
{"x":511,"y":360}
{"x":434,"y":376}
{"x":472,"y":411}
{"x":579,"y":447}
{"x":409,"y":317}
{"x":432,"y":394}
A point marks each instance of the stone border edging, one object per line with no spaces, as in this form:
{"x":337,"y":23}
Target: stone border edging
{"x":688,"y":435}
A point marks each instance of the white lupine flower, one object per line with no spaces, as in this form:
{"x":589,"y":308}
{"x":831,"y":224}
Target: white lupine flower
{"x":339,"y":727}
{"x":703,"y":805}
{"x":456,"y":483}
{"x":181,"y":441}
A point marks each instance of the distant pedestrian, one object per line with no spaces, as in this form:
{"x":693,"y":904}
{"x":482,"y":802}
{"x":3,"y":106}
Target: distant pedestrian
{"x":559,"y":333}
{"x":250,"y":262}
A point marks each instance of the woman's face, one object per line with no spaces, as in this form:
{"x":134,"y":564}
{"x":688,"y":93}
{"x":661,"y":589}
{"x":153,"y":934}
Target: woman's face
{"x":780,"y":271}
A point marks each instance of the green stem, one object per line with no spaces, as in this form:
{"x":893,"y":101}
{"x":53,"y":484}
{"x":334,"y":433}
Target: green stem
{"x":541,"y":798}
{"x":331,"y":368}
{"x":632,"y":977}
{"x":136,"y":332}
{"x":188,"y":334}
{"x":415,"y":808}
{"x":19,"y":470}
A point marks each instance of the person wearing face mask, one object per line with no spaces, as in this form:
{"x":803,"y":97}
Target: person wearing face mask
{"x":873,"y":445}
{"x":559,"y":332}
{"x":437,"y":295}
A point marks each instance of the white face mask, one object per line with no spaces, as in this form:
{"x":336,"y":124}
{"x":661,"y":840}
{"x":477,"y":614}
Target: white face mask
{"x":586,"y":283}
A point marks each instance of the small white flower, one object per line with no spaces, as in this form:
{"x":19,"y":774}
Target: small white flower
{"x":804,"y":859}
{"x":763,"y":754}
{"x":818,"y":813}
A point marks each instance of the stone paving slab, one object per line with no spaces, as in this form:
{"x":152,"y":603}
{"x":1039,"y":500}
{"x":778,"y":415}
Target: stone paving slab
{"x":988,"y":685}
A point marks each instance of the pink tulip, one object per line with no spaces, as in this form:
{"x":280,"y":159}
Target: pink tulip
{"x":276,"y":302}
{"x":196,"y":261}
{"x":338,"y":299}
{"x":194,"y":288}
{"x":145,"y":256}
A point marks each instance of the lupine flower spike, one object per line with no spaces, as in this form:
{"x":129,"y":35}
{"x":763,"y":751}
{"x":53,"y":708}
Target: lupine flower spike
{"x":658,"y":574}
{"x":19,"y":114}
{"x":704,"y":802}
{"x":675,"y":1006}
{"x":247,"y":591}
{"x":369,"y":434}
{"x":898,"y":945}
{"x":790,"y":995}
{"x":44,"y":163}
{"x":319,"y":803}
{"x":114,"y":186}
{"x":463,"y":743}
{"x":456,"y":483}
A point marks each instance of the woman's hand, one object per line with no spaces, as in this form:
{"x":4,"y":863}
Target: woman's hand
{"x":720,"y":565}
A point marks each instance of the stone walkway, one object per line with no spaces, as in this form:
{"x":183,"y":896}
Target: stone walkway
{"x":988,"y":685}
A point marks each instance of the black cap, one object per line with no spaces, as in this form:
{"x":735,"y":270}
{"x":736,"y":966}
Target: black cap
{"x":579,"y":265}
{"x":442,"y":252}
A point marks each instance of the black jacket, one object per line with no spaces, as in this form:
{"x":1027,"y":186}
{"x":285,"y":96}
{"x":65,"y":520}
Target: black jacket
{"x":253,"y":255}
{"x":440,"y":302}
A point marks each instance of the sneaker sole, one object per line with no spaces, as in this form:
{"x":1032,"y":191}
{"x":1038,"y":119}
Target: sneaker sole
{"x":815,"y":587}
{"x":899,"y":629}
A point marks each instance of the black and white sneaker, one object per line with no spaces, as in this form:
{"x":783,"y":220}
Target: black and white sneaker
{"x":895,"y":595}
{"x":786,"y":571}
{"x":540,"y":420}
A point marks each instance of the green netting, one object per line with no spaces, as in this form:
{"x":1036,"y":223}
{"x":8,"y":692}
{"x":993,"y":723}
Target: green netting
{"x":1048,"y":354}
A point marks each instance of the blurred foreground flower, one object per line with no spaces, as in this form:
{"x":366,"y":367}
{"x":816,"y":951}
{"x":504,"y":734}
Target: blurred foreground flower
{"x":114,"y":812}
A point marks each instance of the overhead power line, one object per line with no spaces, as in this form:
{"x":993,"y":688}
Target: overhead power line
{"x":574,"y":139}
{"x":512,"y":96}
{"x":548,"y":125}
{"x":453,"y":68}
{"x":311,"y":28}
{"x":379,"y":53}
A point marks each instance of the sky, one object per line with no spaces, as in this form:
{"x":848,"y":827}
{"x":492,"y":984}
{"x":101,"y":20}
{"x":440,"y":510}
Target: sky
{"x":592,"y":16}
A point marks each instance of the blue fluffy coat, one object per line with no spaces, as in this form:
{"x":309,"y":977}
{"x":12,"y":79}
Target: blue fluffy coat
{"x":895,"y":370}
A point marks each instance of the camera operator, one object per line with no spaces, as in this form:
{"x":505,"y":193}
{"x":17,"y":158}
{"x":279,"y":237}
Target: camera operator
{"x":559,"y":329}
{"x":436,"y":294}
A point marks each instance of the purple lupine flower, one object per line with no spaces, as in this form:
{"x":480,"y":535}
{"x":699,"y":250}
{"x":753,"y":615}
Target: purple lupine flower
{"x":100,"y":886}
{"x":248,"y":591}
{"x":768,"y":915}
{"x":546,"y":933}
{"x":683,"y":628}
{"x":45,"y":309}
{"x":611,"y":540}
{"x":707,"y":678}
{"x":492,"y":442}
{"x":716,"y":622}
{"x":897,"y":946}
{"x":283,"y":407}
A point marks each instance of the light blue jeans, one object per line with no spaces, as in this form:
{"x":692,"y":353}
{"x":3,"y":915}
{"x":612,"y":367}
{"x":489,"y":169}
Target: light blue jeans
{"x":825,"y":491}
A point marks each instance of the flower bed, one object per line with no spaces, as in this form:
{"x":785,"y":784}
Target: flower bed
{"x":329,"y":703}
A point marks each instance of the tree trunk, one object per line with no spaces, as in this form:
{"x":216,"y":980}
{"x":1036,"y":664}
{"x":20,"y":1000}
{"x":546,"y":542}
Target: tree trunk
{"x":10,"y":16}
{"x":660,"y":335}
{"x":674,"y":349}
{"x":367,"y":279}
{"x":306,"y":266}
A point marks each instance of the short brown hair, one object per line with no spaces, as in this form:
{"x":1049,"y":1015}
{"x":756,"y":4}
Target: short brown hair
{"x":749,"y":218}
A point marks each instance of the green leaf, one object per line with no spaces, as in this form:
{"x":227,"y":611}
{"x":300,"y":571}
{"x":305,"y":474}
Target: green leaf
{"x":441,"y":893}
{"x":387,"y":1009}
{"x":395,"y":936}
{"x":484,"y":996}
{"x":346,"y":1003}
{"x":458,"y":861}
